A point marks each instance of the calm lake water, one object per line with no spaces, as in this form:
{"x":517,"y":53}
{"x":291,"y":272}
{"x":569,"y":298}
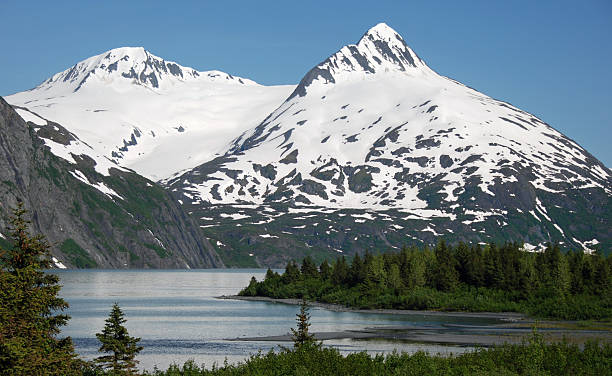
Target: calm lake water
{"x":178,"y":318}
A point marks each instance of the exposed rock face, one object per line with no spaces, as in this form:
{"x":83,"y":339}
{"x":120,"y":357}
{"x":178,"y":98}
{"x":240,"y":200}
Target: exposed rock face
{"x":91,"y":220}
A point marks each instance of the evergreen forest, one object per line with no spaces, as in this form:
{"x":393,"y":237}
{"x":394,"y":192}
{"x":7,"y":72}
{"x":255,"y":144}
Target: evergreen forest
{"x":462,"y":277}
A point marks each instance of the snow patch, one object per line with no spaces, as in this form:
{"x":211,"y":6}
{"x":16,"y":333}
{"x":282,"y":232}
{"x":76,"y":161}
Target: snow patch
{"x":29,"y":116}
{"x":234,"y":216}
{"x":58,"y":263}
{"x":98,"y":185}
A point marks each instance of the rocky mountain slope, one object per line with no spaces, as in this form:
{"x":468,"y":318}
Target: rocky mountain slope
{"x":151,"y":115}
{"x":94,"y":213}
{"x":374,"y":134}
{"x":371,"y":150}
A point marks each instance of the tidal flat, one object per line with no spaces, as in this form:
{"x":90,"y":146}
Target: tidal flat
{"x":512,"y":327}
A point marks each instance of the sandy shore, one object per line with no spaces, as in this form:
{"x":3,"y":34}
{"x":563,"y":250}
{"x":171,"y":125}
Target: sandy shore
{"x":513,"y":328}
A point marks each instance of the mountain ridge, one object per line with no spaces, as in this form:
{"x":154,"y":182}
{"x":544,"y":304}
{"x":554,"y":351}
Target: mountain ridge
{"x":137,"y":65}
{"x":148,"y":114}
{"x":371,"y":150}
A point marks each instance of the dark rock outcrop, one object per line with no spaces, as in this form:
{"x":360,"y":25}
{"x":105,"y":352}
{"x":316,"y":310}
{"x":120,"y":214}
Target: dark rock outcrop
{"x":141,"y":226}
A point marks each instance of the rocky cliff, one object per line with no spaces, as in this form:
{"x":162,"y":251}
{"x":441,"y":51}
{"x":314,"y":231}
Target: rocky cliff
{"x":114,"y":219}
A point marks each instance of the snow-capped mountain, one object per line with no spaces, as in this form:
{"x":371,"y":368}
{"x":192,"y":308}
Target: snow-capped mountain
{"x":374,"y":128}
{"x":371,"y":150}
{"x":151,"y":115}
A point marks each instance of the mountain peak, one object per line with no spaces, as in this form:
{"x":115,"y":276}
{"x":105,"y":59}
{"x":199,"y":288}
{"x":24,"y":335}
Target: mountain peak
{"x":133,"y":53}
{"x":380,"y":49}
{"x":381,"y":31}
{"x":130,"y":66}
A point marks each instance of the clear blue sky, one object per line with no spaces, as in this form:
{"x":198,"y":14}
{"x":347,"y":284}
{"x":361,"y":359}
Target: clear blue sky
{"x":551,"y":58}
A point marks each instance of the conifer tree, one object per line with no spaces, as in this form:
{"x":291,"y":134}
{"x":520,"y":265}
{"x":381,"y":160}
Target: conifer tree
{"x":394,"y":280}
{"x":270,"y":274}
{"x":325,"y":270}
{"x":251,"y":289}
{"x":292,"y":272}
{"x":446,"y":277}
{"x":309,"y":268}
{"x":121,"y":348}
{"x":29,"y":306}
{"x":340,"y":271}
{"x":376,"y":275}
{"x":414,"y":269}
{"x":302,"y":338}
{"x":357,"y":270}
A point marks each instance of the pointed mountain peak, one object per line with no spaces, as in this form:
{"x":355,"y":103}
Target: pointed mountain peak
{"x":383,"y":32}
{"x":380,"y":49}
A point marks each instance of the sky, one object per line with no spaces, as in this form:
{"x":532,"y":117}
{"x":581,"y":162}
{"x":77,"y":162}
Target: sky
{"x":550,"y":58}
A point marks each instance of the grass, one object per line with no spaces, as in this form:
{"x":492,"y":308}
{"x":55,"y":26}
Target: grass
{"x":77,"y":255}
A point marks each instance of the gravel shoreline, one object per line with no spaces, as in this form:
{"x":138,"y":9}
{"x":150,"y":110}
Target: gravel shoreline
{"x":513,"y":327}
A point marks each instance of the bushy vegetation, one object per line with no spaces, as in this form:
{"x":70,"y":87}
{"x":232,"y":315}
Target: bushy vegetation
{"x":534,"y":357}
{"x":551,"y":284}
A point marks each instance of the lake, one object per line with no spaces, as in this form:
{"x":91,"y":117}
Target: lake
{"x":178,"y":318}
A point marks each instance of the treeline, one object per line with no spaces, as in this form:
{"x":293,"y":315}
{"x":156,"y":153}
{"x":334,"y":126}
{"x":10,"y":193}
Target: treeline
{"x":463,"y":277}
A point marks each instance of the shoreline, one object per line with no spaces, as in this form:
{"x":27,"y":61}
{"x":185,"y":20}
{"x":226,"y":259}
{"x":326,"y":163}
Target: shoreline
{"x":513,"y":328}
{"x":503,"y":316}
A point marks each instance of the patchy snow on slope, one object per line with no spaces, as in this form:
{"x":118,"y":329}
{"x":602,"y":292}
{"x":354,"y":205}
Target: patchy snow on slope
{"x":159,"y":242}
{"x":587,"y":245}
{"x":235,"y":216}
{"x":372,"y":127}
{"x":365,"y":216}
{"x":430,"y":229}
{"x":97,"y":185}
{"x":58,"y":263}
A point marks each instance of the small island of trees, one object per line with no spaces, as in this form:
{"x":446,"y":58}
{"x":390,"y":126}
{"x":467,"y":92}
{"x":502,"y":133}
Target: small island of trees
{"x":548,"y":284}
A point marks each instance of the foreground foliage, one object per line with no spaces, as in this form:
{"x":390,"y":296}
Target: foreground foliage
{"x":534,"y":357}
{"x":301,"y":335}
{"x":29,"y":302}
{"x":120,"y":347}
{"x":552,"y":284}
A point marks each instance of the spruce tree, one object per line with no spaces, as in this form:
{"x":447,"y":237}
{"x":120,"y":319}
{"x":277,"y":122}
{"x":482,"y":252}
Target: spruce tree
{"x":29,"y":306}
{"x":309,"y":268}
{"x":446,"y":276}
{"x":292,"y":272}
{"x":340,"y":271}
{"x":121,"y":348}
{"x":302,"y":338}
{"x":325,"y":270}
